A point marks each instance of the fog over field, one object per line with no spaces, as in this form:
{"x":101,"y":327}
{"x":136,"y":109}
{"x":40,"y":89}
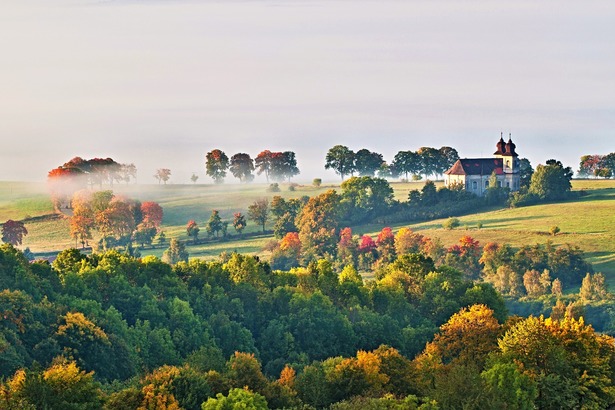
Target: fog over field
{"x":160,"y":83}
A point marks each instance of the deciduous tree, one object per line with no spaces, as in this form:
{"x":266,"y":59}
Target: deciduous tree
{"x":368,"y":162}
{"x":259,"y":212}
{"x":163,"y":174}
{"x":341,"y":159}
{"x":216,"y":164}
{"x":13,"y":232}
{"x":242,"y":167}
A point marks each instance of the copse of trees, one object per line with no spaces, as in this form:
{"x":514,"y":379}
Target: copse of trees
{"x":78,"y":173}
{"x":599,"y":166}
{"x":426,"y":160}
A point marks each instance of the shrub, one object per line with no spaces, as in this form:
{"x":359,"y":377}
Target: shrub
{"x":554,"y":230}
{"x":316,"y":182}
{"x":275,"y":187}
{"x":451,"y":223}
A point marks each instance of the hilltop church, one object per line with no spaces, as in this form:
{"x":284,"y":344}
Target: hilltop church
{"x":474,"y":173}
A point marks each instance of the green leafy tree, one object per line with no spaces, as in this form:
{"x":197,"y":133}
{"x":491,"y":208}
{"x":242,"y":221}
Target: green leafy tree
{"x":214,"y":225}
{"x":236,"y":399}
{"x":368,"y":162}
{"x":447,"y":157}
{"x":341,"y":159}
{"x":551,"y":182}
{"x":259,"y":212}
{"x":406,"y":162}
{"x":216,"y":164}
{"x":242,"y":167}
{"x":429,"y":160}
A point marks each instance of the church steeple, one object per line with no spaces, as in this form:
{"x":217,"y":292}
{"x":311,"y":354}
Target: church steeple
{"x":501,"y":146}
{"x":510,"y":147}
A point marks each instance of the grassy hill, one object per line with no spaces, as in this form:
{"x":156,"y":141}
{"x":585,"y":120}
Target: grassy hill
{"x":587,"y":222}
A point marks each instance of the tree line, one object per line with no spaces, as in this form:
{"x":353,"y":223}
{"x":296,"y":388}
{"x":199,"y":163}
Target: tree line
{"x":425,"y":161}
{"x":278,"y":166}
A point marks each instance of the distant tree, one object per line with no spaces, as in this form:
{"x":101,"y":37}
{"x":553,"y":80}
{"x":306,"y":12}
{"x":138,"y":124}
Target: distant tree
{"x":525,"y":173}
{"x":317,"y":182}
{"x":429,"y":159}
{"x":259,"y":212}
{"x":283,"y":165}
{"x":341,"y":159}
{"x":447,"y":157}
{"x":13,"y":232}
{"x":406,"y":162}
{"x":162,"y":174}
{"x":367,"y":162}
{"x":214,"y":225}
{"x":551,"y":181}
{"x":192,"y":229}
{"x":128,"y":171}
{"x":242,"y":167}
{"x":263,"y":163}
{"x":175,"y":253}
{"x":216,"y":165}
{"x":194,"y":178}
{"x":590,"y":165}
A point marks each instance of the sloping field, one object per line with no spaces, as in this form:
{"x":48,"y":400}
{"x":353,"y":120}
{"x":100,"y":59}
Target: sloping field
{"x":588,"y":222}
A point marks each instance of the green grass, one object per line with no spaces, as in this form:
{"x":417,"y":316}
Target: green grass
{"x":587,"y":222}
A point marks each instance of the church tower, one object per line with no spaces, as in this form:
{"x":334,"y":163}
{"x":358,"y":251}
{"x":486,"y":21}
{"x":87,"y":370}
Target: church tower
{"x":506,"y":152}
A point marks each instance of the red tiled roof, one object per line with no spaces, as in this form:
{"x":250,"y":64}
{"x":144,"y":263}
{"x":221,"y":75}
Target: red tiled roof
{"x":476,"y":166}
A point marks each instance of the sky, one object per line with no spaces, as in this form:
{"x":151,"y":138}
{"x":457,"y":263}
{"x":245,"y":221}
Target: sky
{"x":159,"y":83}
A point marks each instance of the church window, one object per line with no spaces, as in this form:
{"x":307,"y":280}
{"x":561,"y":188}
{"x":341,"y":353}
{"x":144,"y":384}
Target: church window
{"x":487,"y":184}
{"x":474,"y":185}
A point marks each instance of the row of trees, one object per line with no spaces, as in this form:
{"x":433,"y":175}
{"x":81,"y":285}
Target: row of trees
{"x":602,"y":166}
{"x":278,"y":166}
{"x":425,"y":161}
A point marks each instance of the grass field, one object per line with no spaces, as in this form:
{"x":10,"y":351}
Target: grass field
{"x":587,"y":222}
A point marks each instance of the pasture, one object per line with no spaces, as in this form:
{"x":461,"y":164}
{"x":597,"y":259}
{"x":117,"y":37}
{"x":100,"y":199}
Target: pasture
{"x":587,"y":222}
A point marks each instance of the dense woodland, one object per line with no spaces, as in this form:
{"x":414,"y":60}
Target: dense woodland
{"x":467,"y":326}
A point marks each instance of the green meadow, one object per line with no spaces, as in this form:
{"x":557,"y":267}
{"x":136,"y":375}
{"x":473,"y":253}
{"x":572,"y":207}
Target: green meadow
{"x":587,"y":222}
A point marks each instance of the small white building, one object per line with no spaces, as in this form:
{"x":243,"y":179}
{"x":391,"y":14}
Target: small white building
{"x":474,"y":173}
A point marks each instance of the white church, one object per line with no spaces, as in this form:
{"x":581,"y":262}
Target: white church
{"x":474,"y":173}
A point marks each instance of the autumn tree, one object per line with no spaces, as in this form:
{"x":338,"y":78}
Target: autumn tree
{"x":192,"y":229}
{"x":242,"y":166}
{"x":13,"y":232}
{"x":407,"y":241}
{"x":317,"y":223}
{"x":259,"y":212}
{"x":263,"y":163}
{"x":283,"y":165}
{"x":341,"y":159}
{"x":152,"y":214}
{"x":216,"y":165}
{"x":239,"y":222}
{"x":163,"y":174}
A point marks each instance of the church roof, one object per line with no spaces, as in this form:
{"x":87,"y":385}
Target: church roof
{"x":476,"y":166}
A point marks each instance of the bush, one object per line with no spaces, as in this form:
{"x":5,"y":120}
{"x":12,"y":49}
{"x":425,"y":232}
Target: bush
{"x":275,"y":187}
{"x":554,"y":230}
{"x":451,"y":223}
{"x":479,"y":225}
{"x":292,"y":187}
{"x":316,"y":182}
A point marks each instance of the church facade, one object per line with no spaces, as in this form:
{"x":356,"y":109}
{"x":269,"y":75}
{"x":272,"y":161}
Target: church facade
{"x":474,"y":173}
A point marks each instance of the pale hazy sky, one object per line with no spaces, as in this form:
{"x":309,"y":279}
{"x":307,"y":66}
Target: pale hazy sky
{"x":160,"y":83}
